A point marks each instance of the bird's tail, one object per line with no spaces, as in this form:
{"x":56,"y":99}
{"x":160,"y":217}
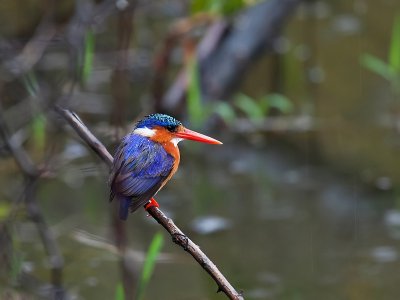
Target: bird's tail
{"x":124,"y":204}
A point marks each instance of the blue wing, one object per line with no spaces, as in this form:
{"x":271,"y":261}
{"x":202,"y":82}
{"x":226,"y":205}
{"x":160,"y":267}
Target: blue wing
{"x":139,"y":169}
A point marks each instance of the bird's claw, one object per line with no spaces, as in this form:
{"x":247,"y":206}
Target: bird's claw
{"x":152,"y":203}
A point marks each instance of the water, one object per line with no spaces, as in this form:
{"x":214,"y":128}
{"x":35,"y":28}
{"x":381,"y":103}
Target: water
{"x":296,"y":231}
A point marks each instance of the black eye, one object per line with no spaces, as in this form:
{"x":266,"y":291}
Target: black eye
{"x":171,"y":128}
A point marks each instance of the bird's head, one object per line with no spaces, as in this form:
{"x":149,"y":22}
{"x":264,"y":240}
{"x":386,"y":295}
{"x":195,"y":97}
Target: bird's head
{"x":163,"y":128}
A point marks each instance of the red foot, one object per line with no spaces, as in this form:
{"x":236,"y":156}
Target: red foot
{"x":151,"y":203}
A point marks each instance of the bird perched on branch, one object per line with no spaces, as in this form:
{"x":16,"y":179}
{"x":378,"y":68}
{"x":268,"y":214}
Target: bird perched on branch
{"x":146,"y":159}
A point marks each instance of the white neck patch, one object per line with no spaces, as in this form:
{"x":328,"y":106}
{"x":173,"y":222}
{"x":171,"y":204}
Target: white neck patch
{"x":175,"y":141}
{"x":144,"y":131}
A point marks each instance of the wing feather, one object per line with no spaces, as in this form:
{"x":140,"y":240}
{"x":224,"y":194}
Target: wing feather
{"x":139,"y":169}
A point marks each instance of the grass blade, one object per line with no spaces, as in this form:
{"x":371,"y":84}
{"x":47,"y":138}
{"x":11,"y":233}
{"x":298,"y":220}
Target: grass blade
{"x":119,"y":292}
{"x":219,"y":7}
{"x":377,"y":66}
{"x":149,"y":263}
{"x":394,"y":51}
{"x":31,"y":84}
{"x":249,"y":106}
{"x":87,"y":64}
{"x":39,"y":132}
{"x":225,"y":111}
{"x":195,"y":110}
{"x":280,"y":102}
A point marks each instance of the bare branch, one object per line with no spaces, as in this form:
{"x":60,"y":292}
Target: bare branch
{"x":182,"y":240}
{"x":85,"y":134}
{"x":50,"y":244}
{"x":23,"y":161}
{"x":177,"y":235}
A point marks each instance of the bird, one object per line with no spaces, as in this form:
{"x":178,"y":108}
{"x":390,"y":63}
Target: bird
{"x":146,"y":159}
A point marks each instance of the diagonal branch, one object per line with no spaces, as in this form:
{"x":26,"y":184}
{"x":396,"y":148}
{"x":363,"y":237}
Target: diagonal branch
{"x":182,"y":240}
{"x":177,"y":235}
{"x":85,"y":134}
{"x":23,"y":161}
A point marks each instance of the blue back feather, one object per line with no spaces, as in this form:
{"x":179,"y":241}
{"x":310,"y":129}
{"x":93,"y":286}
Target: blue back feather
{"x":158,"y":120}
{"x":124,"y":204}
{"x":139,"y":169}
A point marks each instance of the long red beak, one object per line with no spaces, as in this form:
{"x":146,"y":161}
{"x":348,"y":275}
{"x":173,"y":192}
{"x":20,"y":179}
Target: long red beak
{"x":195,"y":136}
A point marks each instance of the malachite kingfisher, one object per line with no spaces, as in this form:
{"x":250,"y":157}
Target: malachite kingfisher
{"x":146,"y":159}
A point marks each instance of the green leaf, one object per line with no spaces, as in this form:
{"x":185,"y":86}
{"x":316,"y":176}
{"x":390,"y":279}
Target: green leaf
{"x":31,"y":83}
{"x":220,"y":7}
{"x":195,"y":109}
{"x":39,"y":132}
{"x":249,"y":107}
{"x":377,"y":66}
{"x":394,"y":51}
{"x":280,"y":102}
{"x":16,"y":267}
{"x":119,"y":292}
{"x":87,"y":64}
{"x":149,"y":263}
{"x":199,"y":6}
{"x":5,"y":209}
{"x":225,"y":111}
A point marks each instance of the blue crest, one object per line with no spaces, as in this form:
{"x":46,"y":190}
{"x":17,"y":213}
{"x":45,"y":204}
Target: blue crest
{"x":158,"y":120}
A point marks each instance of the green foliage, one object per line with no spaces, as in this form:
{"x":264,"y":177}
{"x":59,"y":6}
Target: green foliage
{"x":119,"y":292}
{"x":377,"y":66}
{"x":254,"y":109}
{"x":225,"y":111}
{"x":39,"y":132}
{"x":16,"y":263}
{"x":5,"y":209}
{"x":87,"y":62}
{"x":279,"y":102}
{"x":31,"y":84}
{"x":250,"y":107}
{"x":149,"y":263}
{"x":389,"y":70}
{"x":219,"y":7}
{"x":394,"y":51}
{"x":194,"y":104}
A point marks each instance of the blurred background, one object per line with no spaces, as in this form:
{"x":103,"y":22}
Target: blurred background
{"x":301,"y":202}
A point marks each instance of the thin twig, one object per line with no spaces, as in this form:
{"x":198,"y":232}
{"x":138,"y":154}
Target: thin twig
{"x":177,"y":235}
{"x":23,"y":161}
{"x":86,"y":135}
{"x":55,"y":258}
{"x":182,"y":240}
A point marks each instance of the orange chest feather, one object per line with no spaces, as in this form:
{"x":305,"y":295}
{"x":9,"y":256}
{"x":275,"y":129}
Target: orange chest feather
{"x":172,"y":150}
{"x":164,"y":137}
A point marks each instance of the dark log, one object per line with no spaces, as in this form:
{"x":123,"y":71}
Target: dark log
{"x":251,"y":34}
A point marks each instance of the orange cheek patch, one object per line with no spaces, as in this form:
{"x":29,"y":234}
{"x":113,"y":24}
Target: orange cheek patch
{"x":162,"y":135}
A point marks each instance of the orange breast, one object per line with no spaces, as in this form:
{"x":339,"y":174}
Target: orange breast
{"x":174,"y":152}
{"x":164,"y":137}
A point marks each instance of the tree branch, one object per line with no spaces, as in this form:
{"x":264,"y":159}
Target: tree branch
{"x":177,"y":235}
{"x":22,"y":159}
{"x":86,"y":135}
